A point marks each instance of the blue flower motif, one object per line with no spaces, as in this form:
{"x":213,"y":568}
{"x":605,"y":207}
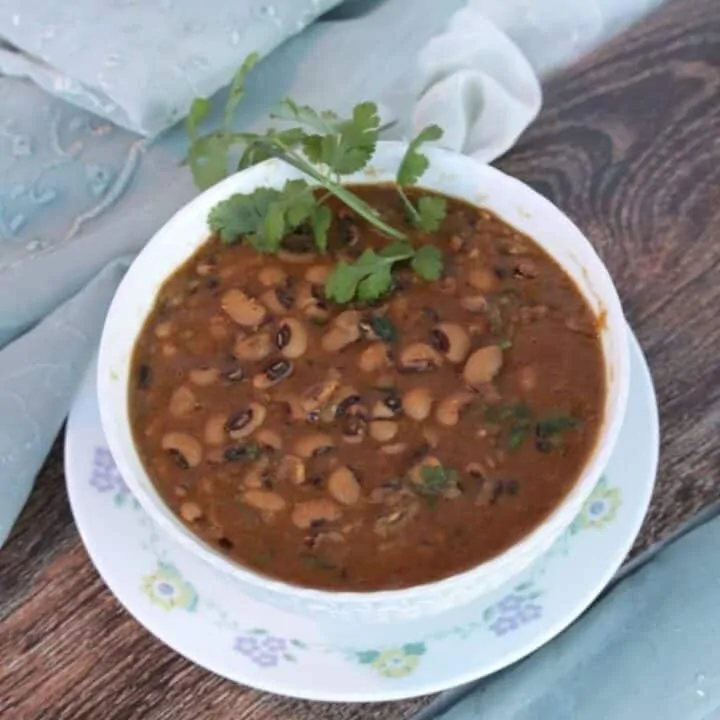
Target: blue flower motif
{"x":514,"y":610}
{"x":263,"y":649}
{"x":510,"y":603}
{"x":266,"y":659}
{"x":529,"y":612}
{"x":105,"y":476}
{"x":274,"y":644}
{"x":504,"y":625}
{"x":247,"y":644}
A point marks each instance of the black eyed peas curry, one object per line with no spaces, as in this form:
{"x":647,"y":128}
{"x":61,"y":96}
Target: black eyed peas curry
{"x":368,"y":446}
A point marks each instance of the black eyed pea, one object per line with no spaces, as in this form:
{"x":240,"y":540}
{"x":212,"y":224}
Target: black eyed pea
{"x":246,"y":421}
{"x":383,"y":430}
{"x":452,"y":340}
{"x":214,"y":433}
{"x":291,"y":469}
{"x":264,"y":500}
{"x":482,"y":279}
{"x":343,"y":401}
{"x":448,"y":410}
{"x":311,"y":306}
{"x":344,"y":486}
{"x":274,"y":373}
{"x":482,"y":366}
{"x":204,"y":376}
{"x":419,"y":357}
{"x":313,"y":512}
{"x":374,"y":357}
{"x":272,"y":276}
{"x":163,"y":330}
{"x":269,"y":439}
{"x":474,"y":303}
{"x":348,"y":320}
{"x":337,"y":338}
{"x":354,"y":428}
{"x":254,"y":347}
{"x":243,"y":309}
{"x":318,"y":395}
{"x":381,"y":411}
{"x":190,"y":511}
{"x":257,"y":474}
{"x":272,"y":302}
{"x":205,"y":269}
{"x":417,"y":403}
{"x":186,"y":450}
{"x":291,"y":338}
{"x":313,"y":445}
{"x":182,"y":402}
{"x":317,"y":274}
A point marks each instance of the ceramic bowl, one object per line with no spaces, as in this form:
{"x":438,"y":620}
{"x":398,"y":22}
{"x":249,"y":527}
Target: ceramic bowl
{"x":455,"y":175}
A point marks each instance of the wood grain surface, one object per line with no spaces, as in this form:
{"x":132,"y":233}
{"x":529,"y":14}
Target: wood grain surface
{"x":629,"y":146}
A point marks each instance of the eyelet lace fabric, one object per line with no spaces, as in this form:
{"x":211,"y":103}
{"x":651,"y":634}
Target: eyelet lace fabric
{"x":141,"y":63}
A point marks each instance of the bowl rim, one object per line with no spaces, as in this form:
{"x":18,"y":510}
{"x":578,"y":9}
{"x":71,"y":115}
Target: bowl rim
{"x":586,"y":480}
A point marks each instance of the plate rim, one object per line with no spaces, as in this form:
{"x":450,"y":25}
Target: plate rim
{"x":390,"y":694}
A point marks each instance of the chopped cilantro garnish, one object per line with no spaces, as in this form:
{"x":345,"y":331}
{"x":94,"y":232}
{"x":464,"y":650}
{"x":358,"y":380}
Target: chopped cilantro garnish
{"x":324,"y":147}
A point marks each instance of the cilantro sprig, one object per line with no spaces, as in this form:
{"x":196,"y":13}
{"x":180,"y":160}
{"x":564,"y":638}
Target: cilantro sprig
{"x":324,"y":147}
{"x":430,"y":210}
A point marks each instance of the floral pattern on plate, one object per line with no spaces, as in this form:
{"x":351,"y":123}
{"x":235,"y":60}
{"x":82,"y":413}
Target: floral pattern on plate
{"x":167,"y":588}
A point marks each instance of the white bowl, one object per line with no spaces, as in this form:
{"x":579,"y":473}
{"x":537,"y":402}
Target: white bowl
{"x":455,"y":175}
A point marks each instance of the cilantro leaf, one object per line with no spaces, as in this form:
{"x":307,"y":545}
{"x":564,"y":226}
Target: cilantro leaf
{"x":199,"y":110}
{"x":341,"y":284}
{"x":427,"y":262}
{"x":237,"y":88}
{"x":414,"y":163}
{"x":348,"y":145}
{"x":435,"y":480}
{"x":208,"y":157}
{"x":264,"y":146}
{"x":241,"y":215}
{"x":320,"y":221}
{"x":431,"y":212}
{"x":325,"y":121}
{"x":376,"y":284}
{"x":264,"y":216}
{"x":369,"y":277}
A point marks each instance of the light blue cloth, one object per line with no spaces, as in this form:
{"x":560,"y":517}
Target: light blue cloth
{"x":76,"y":192}
{"x":649,"y":650}
{"x":137,"y":63}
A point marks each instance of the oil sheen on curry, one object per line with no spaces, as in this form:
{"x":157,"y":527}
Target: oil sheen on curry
{"x":376,"y":447}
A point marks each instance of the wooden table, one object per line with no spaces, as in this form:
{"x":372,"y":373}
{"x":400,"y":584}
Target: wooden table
{"x":629,"y":146}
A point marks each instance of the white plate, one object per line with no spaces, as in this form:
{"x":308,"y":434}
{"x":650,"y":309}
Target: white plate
{"x":202,"y":615}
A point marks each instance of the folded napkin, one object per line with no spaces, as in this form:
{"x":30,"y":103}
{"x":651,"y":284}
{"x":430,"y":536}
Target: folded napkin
{"x":140,"y":64}
{"x":648,"y":649}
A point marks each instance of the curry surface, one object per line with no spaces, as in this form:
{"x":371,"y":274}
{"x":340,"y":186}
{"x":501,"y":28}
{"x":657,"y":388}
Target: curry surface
{"x":386,"y":451}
